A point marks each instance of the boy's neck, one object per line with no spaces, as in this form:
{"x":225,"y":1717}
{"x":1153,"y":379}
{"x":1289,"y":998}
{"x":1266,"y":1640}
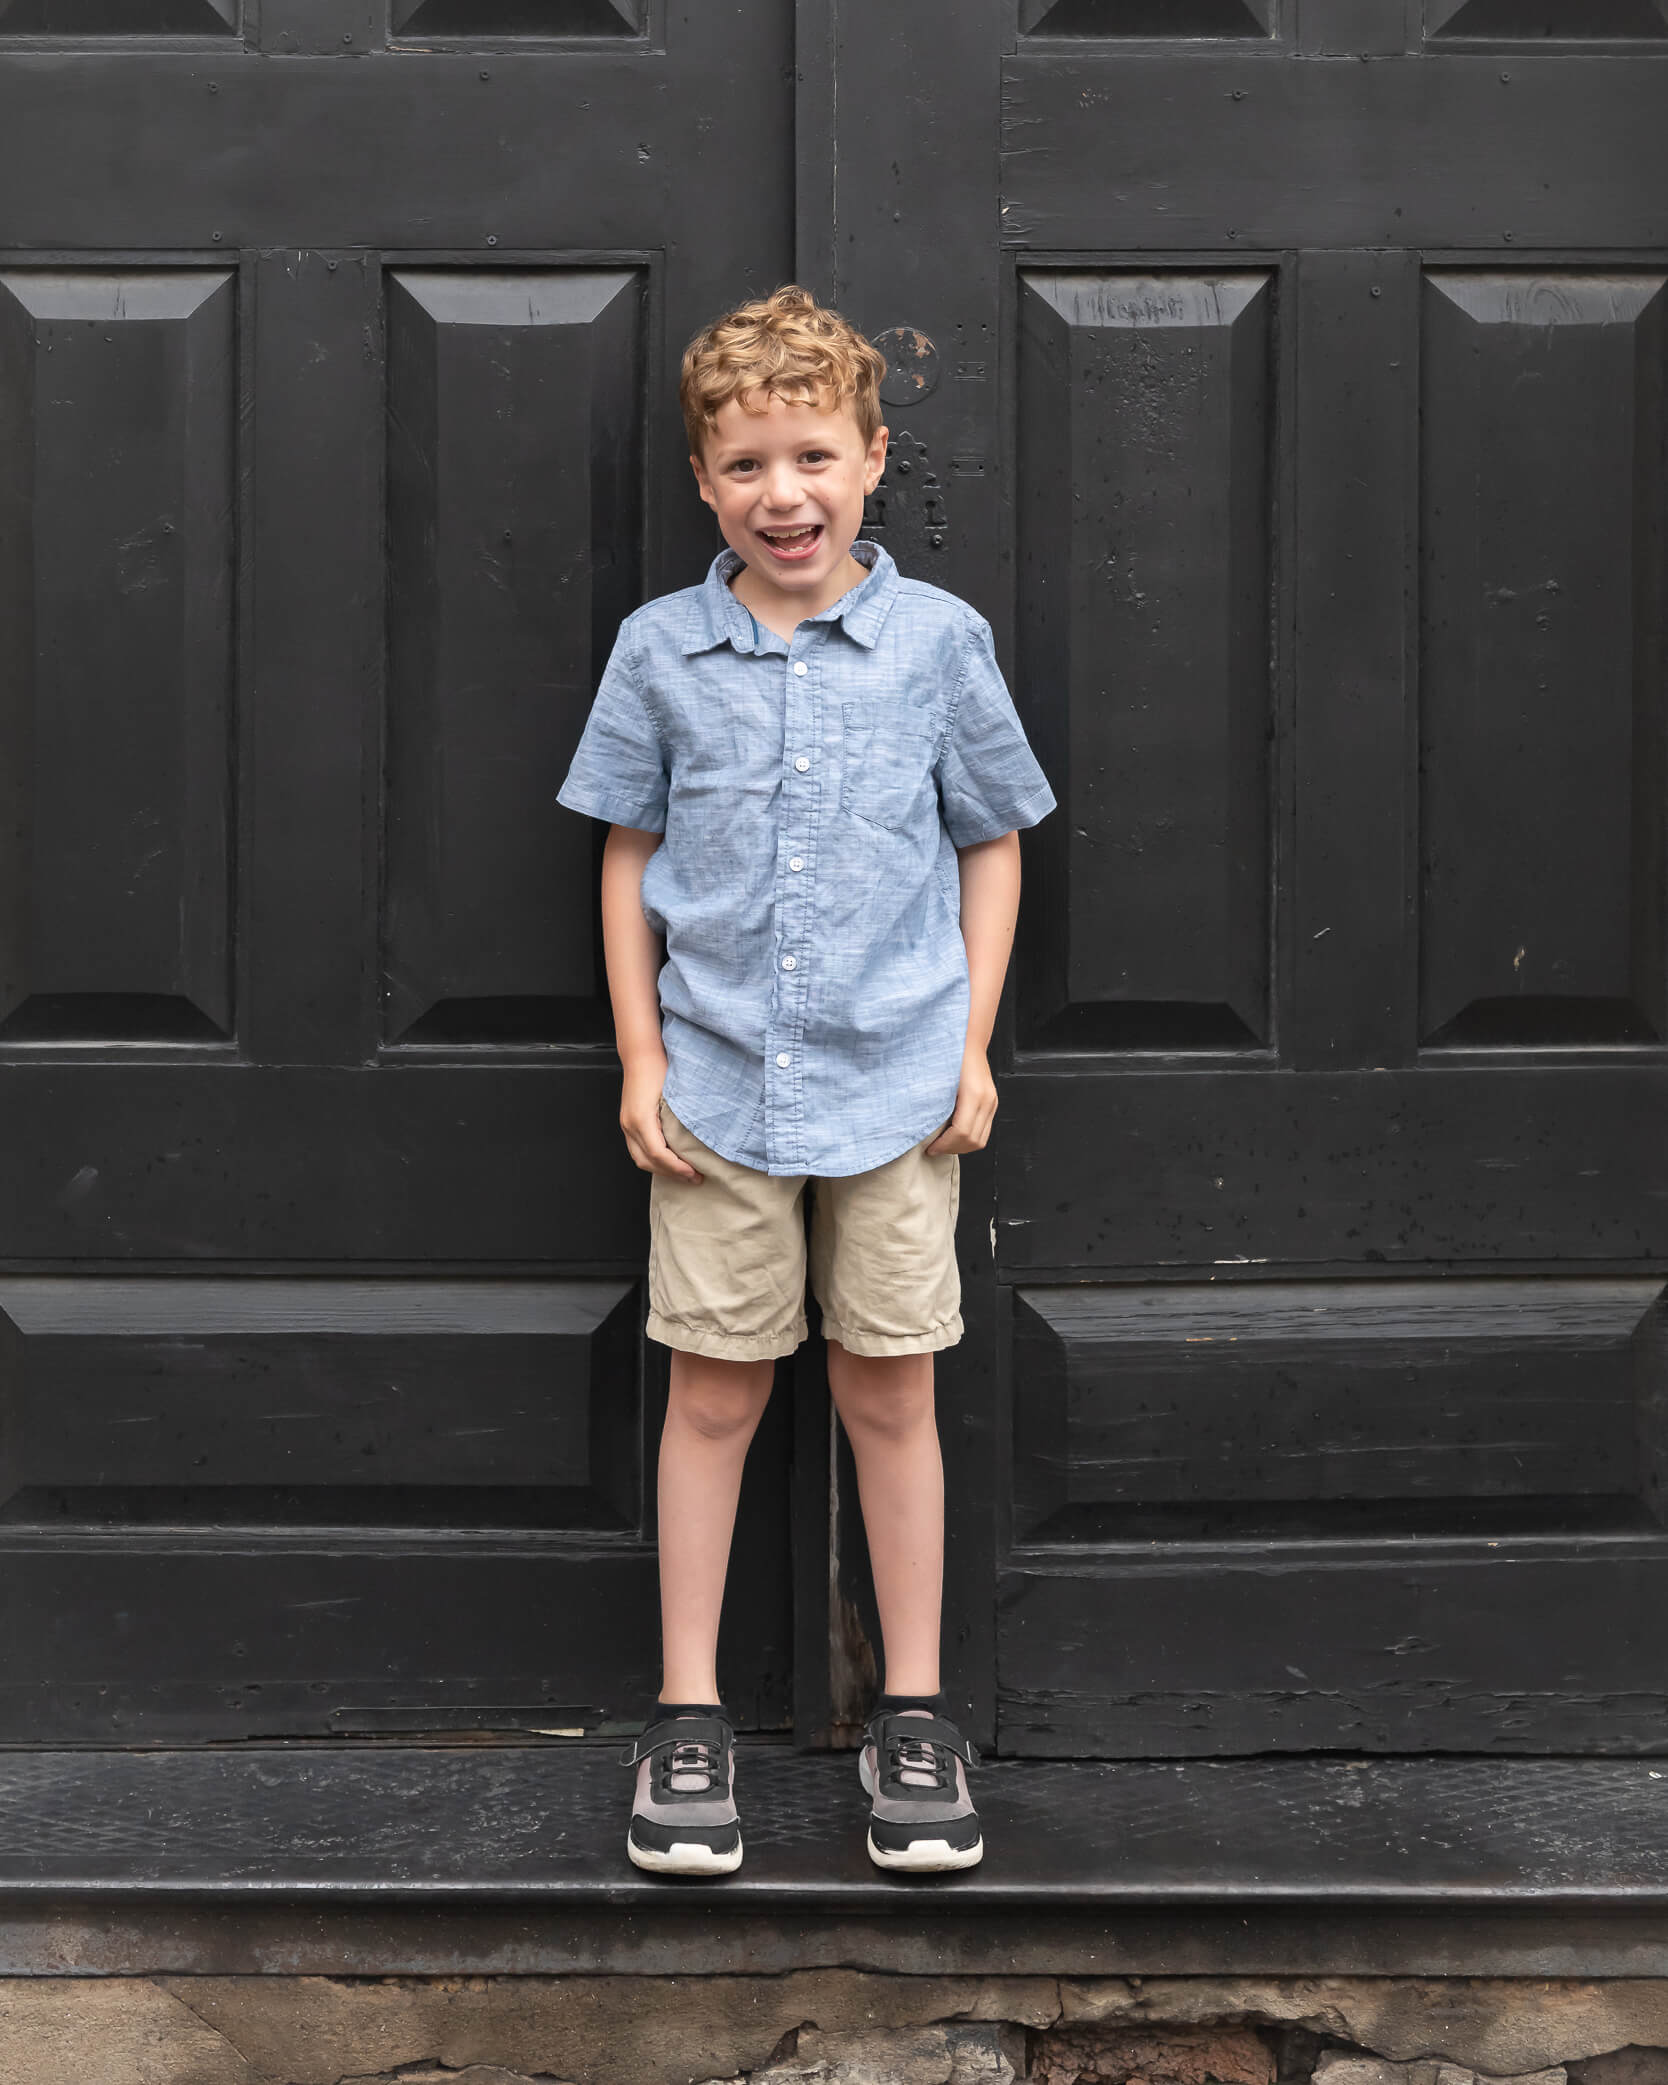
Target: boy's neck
{"x":782,"y":612}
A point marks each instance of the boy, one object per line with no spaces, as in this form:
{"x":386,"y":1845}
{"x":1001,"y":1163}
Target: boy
{"x":814,"y":779}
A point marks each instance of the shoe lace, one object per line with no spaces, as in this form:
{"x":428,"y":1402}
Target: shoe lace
{"x":690,"y":1767}
{"x":918,"y":1762}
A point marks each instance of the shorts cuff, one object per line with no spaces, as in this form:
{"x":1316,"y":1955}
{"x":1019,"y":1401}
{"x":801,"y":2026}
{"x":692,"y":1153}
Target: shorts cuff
{"x":723,"y":1346}
{"x":876,"y":1345}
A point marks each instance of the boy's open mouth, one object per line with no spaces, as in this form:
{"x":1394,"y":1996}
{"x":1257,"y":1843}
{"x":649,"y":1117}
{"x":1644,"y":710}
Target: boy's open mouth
{"x":789,"y":545}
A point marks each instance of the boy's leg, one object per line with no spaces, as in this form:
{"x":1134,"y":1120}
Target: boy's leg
{"x":711,"y":1416}
{"x":886,"y":1407}
{"x":883,"y":1265}
{"x":727,"y":1295}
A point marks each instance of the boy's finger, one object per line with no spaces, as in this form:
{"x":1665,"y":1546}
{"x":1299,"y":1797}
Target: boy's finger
{"x":663,"y":1159}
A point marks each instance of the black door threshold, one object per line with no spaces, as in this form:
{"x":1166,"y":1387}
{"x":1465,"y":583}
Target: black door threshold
{"x":546,"y":1824}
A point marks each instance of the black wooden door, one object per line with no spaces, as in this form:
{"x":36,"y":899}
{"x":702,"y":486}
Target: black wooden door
{"x":338,"y":343}
{"x":1297,"y":407}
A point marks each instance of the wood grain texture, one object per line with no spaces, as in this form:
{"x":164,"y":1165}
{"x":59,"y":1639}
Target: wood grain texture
{"x":1400,"y":1646}
{"x":1091,"y":159}
{"x":1183,"y":1407}
{"x":1240,"y":1171}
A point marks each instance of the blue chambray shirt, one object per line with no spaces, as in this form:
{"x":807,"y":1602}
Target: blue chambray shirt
{"x":812,"y":794}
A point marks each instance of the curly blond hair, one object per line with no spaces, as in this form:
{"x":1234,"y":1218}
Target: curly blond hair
{"x":787,"y":346}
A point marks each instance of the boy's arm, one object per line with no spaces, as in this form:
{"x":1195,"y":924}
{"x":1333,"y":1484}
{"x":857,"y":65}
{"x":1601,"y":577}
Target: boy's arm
{"x":632,"y":951}
{"x":989,"y":909}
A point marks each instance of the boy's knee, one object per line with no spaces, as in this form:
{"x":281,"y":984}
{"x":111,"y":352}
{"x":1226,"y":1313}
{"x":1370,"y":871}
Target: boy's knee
{"x":721,"y":1401}
{"x":889,"y":1403}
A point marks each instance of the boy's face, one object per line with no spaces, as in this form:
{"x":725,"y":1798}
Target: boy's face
{"x":788,"y":485}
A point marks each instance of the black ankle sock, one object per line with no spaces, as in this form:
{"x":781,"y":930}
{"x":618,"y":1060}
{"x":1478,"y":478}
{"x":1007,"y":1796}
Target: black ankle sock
{"x":686,"y":1708}
{"x":891,"y":1703}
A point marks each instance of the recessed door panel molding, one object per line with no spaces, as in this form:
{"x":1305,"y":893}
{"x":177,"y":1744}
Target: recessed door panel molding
{"x":1364,"y":1409}
{"x":287,"y":1404}
{"x":1147,"y":18}
{"x":118,"y":504}
{"x":1543,"y":734}
{"x":1145,"y":422}
{"x":1506,"y":1646}
{"x":79,"y":18}
{"x":475,"y":18}
{"x":1572,"y":21}
{"x":515,"y":459}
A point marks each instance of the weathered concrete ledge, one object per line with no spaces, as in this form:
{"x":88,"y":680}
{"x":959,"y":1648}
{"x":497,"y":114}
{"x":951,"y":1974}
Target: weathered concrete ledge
{"x":832,"y":2027}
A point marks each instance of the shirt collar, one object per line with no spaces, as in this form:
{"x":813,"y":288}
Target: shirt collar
{"x":717,"y":617}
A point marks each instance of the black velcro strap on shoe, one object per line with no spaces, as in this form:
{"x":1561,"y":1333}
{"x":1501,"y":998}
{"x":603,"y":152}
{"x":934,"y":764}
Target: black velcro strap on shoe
{"x":934,"y":1729}
{"x":678,"y":1730}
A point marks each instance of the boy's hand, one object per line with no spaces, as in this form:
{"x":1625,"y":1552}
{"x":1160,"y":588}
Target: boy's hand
{"x":968,"y":1129}
{"x":640,"y":1119}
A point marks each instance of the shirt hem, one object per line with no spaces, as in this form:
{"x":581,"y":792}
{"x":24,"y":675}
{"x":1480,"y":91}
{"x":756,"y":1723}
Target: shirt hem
{"x":939,"y":1120}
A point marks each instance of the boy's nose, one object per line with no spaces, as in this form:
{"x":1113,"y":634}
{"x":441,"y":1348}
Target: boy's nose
{"x":782,"y":487}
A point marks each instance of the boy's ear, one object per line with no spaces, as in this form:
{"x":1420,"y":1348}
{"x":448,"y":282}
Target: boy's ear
{"x":874,"y":462}
{"x":704,"y":482}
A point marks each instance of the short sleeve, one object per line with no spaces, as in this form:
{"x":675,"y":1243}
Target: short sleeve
{"x":619,"y":768}
{"x":988,"y":778}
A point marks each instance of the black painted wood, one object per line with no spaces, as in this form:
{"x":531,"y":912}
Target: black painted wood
{"x":899,"y":208}
{"x":1298,"y":422}
{"x":322,"y":1386}
{"x":1351,"y":953}
{"x":1094,"y":162}
{"x":1327,"y":424}
{"x":119,"y":425}
{"x":547,"y":1824}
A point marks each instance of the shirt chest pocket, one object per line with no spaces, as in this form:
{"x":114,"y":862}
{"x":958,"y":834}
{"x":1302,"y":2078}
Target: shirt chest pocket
{"x":886,"y":768}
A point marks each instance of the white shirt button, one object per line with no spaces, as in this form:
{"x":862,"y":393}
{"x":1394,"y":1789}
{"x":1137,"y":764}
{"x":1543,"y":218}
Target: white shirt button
{"x":799,"y":666}
{"x":788,"y":963}
{"x":802,"y":763}
{"x":783,"y":1059}
{"x":795,"y":863}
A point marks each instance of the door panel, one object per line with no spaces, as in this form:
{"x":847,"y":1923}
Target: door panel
{"x":1145,"y":449}
{"x":338,"y":436}
{"x":117,"y":433}
{"x":1543,"y":485}
{"x":1325,"y":1266}
{"x":514,"y":531}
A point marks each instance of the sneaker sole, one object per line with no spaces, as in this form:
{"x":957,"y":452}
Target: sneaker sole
{"x":927,"y":1856}
{"x":684,"y":1858}
{"x":923,"y":1856}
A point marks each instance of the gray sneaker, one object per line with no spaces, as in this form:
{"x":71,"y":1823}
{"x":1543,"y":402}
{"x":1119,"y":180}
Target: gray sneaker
{"x":922,"y":1818}
{"x":683,"y":1819}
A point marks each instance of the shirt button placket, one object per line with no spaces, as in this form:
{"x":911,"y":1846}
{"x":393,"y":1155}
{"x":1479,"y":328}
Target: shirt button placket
{"x":800,"y":723}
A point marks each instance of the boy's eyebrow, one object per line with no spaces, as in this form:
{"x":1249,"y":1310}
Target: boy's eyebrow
{"x":721,"y":455}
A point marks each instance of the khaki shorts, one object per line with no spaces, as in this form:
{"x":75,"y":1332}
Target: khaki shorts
{"x":727,"y":1255}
